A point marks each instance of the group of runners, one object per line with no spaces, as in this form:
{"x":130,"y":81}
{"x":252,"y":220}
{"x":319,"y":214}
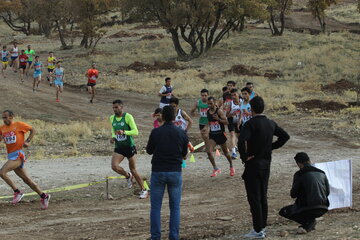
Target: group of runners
{"x":232,"y":109}
{"x":26,"y":60}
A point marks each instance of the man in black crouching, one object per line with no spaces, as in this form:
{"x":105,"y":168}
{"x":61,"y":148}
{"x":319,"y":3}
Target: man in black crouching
{"x":311,"y":190}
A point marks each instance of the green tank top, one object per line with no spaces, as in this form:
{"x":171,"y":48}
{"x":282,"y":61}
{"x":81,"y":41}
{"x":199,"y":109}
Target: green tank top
{"x":203,"y":108}
{"x":122,"y":140}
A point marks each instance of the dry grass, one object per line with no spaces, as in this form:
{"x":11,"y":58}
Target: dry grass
{"x":346,"y":13}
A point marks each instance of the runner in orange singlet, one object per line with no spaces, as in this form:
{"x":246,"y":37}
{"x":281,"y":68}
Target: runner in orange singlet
{"x":92,"y":74}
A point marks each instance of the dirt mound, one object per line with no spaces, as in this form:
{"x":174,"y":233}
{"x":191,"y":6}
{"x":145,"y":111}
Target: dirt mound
{"x":152,"y":37}
{"x":323,"y":105}
{"x":340,"y":86}
{"x":241,"y":69}
{"x":157,"y":66}
{"x":273,"y":74}
{"x":123,"y":34}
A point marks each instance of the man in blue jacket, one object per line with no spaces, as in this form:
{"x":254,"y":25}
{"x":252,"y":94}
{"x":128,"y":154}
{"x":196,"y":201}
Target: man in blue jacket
{"x":169,"y":146}
{"x":311,"y":190}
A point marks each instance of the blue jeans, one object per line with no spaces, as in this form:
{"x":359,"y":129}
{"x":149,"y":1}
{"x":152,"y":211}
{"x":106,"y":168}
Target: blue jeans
{"x":173,"y":181}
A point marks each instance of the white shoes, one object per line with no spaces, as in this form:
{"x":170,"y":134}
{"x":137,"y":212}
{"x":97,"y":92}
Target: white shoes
{"x":255,"y":235}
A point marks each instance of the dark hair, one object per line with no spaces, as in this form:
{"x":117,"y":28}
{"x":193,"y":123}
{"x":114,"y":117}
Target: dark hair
{"x":234,"y":90}
{"x":4,"y":46}
{"x":204,"y":91}
{"x":246,"y":89}
{"x":257,"y":105}
{"x":224,"y":89}
{"x":118,"y":101}
{"x":51,"y":52}
{"x":22,"y":50}
{"x":174,"y":100}
{"x":167,"y":78}
{"x":211,"y":98}
{"x":168,"y":113}
{"x":249,"y":83}
{"x":302,"y":157}
{"x":158,"y":110}
{"x":231,"y":82}
{"x":37,"y":56}
{"x":11,"y":113}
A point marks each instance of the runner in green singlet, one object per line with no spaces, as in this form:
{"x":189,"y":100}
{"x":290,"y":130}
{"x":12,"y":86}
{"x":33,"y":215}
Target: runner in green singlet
{"x":123,"y":130}
{"x":202,"y":107}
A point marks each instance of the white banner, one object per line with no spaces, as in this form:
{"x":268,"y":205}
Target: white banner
{"x":339,"y":174}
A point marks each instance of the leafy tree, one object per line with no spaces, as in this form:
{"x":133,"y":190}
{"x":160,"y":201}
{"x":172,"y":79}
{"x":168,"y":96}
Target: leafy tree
{"x":277,"y":10}
{"x":317,"y":8}
{"x":199,"y":24}
{"x":18,"y":14}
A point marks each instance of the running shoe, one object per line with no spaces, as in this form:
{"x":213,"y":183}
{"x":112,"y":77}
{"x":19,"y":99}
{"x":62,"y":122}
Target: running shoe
{"x":144,"y":194}
{"x":255,"y":235}
{"x":129,"y":180}
{"x":57,"y":100}
{"x":51,"y":84}
{"x":234,"y":155}
{"x":215,"y":172}
{"x":17,"y":197}
{"x":232,"y":171}
{"x":44,"y":202}
{"x":48,"y":79}
{"x":91,"y":101}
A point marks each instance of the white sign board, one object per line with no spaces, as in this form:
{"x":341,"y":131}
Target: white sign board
{"x":339,"y":174}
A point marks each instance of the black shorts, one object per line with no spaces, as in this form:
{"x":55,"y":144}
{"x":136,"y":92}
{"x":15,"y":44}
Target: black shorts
{"x":50,"y":70}
{"x":219,"y":139}
{"x":128,"y":152}
{"x":91,"y":84}
{"x":22,"y":67}
{"x":231,"y":125}
{"x":201,"y":126}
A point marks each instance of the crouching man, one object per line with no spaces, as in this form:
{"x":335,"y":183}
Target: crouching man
{"x":311,"y":190}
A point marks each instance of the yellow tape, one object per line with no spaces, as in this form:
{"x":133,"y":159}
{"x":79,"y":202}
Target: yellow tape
{"x":199,"y":145}
{"x":61,"y":189}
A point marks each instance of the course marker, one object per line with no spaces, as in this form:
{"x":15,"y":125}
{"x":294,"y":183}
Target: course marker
{"x":192,"y":158}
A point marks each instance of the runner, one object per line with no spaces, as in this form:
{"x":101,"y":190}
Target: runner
{"x":123,"y":128}
{"x":23,"y":59}
{"x":250,"y":85}
{"x":14,"y":57}
{"x":13,"y":134}
{"x":4,"y":59}
{"x":158,"y":118}
{"x":217,"y":119}
{"x":226,"y":108}
{"x":59,"y":79}
{"x":51,"y":61}
{"x":92,"y":74}
{"x":30,"y":53}
{"x":182,"y":119}
{"x":220,"y":102}
{"x":166,"y":92}
{"x":202,"y":107}
{"x":37,"y":65}
{"x":235,"y":113}
{"x":245,"y":106}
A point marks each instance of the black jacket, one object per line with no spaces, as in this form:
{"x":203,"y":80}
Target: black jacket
{"x":310,"y":188}
{"x":169,"y":145}
{"x":256,"y":139}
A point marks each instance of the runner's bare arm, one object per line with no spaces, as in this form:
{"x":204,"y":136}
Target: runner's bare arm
{"x":187,"y":118}
{"x":30,"y":137}
{"x":192,"y":112}
{"x":222,"y":117}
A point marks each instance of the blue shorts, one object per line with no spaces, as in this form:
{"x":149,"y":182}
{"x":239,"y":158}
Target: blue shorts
{"x":29,"y":62}
{"x":13,"y":58}
{"x":37,"y":74}
{"x":17,"y":155}
{"x":58,"y":83}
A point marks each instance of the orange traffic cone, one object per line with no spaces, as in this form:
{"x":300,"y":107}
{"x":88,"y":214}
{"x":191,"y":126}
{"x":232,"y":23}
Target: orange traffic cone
{"x":217,"y":153}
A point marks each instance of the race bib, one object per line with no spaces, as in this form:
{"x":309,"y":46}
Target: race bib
{"x":38,"y":67}
{"x":93,"y":78}
{"x":237,"y":116}
{"x":203,"y":112}
{"x":121,"y":137}
{"x":215,"y":126}
{"x":10,"y":139}
{"x":50,"y":64}
{"x":169,"y":97}
{"x":22,"y":60}
{"x":58,"y":76}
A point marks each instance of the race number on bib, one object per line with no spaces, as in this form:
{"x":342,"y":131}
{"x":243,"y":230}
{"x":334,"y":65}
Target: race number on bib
{"x":10,"y":139}
{"x":215,"y":126}
{"x":120,"y":137}
{"x":203,"y":112}
{"x":93,"y":78}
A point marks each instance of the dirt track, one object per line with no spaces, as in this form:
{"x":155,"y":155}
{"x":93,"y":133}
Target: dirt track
{"x":83,"y":214}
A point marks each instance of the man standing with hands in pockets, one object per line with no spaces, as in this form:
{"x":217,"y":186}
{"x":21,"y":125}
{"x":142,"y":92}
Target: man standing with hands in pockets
{"x":169,"y":146}
{"x":255,"y":147}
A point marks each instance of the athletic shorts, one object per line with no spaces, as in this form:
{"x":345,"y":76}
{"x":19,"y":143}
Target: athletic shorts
{"x":128,"y":152}
{"x":162,"y":105}
{"x":5,"y":62}
{"x":201,"y":126}
{"x":237,"y":129}
{"x":50,"y":70}
{"x":58,"y":83}
{"x":22,"y":67}
{"x":16,"y":155}
{"x":219,"y":139}
{"x":231,"y":125}
{"x":36,"y":75}
{"x":91,"y":84}
{"x":29,"y":62}
{"x":13,"y":58}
